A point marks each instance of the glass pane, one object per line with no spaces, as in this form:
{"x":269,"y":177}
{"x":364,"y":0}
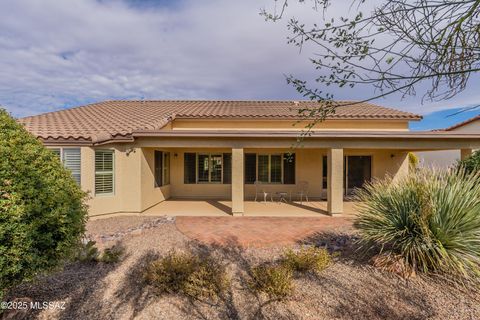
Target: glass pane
{"x":250,"y":168}
{"x":216,"y":168}
{"x":158,"y":168}
{"x":166,"y":168}
{"x":276,"y":168}
{"x":103,"y":183}
{"x":359,"y":171}
{"x":263,"y":168}
{"x":324,"y":172}
{"x":103,"y":160}
{"x":202,"y":168}
{"x":227,"y":168}
{"x":189,"y":168}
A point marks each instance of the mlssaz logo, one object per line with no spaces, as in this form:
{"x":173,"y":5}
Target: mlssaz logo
{"x":39,"y":305}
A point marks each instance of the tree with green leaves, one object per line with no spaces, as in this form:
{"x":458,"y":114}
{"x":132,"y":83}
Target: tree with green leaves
{"x":393,"y":47}
{"x":42,"y":210}
{"x":472,"y":163}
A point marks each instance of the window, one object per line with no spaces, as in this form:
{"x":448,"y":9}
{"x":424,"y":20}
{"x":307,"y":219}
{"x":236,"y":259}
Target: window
{"x":166,"y":168}
{"x":162,"y":168}
{"x":289,"y":168}
{"x":104,"y":171}
{"x":189,"y":168}
{"x":209,"y":168}
{"x":227,"y":168}
{"x":270,"y":168}
{"x":71,"y":159}
{"x":250,"y":168}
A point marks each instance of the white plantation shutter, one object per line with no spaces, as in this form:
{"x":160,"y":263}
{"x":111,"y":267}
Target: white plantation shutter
{"x":104,"y":168}
{"x":72,"y":161}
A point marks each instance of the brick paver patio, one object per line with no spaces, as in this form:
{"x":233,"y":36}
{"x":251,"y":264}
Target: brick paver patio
{"x":259,"y":231}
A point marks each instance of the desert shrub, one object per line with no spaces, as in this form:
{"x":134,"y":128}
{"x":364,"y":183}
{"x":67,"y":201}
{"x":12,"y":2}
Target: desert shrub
{"x":189,"y":274}
{"x":431,"y":219}
{"x":275,"y":280}
{"x":42,"y":212}
{"x":307,"y":259}
{"x":87,"y":252}
{"x":470,"y":164}
{"x":112,"y":255}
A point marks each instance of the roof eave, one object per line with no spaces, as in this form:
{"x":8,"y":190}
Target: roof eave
{"x":296,"y":134}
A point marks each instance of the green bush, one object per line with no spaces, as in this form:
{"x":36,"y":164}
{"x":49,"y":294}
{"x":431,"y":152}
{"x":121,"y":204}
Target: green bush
{"x":113,"y":254}
{"x":471,"y":164}
{"x":274,"y":280}
{"x":189,"y":274}
{"x":42,"y":213}
{"x":413,"y":161}
{"x":431,"y":219}
{"x":307,"y":259}
{"x":87,"y":252}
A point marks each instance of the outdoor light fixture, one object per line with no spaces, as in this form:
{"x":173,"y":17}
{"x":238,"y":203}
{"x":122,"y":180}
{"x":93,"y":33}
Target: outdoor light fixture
{"x":129,"y":150}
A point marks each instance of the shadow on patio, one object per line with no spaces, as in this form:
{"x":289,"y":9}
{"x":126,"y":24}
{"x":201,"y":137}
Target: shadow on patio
{"x":187,"y":207}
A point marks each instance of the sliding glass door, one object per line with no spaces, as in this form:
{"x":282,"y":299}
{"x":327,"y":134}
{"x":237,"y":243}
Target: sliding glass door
{"x":356,"y":171}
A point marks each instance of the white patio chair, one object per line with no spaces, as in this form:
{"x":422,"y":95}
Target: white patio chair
{"x":260,"y":189}
{"x":302,"y":191}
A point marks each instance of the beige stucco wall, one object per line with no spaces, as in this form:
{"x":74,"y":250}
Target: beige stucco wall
{"x":127,"y":180}
{"x":219,"y":124}
{"x":472,"y":127}
{"x":447,"y":158}
{"x":134,"y":187}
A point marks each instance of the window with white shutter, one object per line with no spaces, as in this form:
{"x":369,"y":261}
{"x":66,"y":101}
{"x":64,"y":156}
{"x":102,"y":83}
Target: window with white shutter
{"x":72,"y":161}
{"x":104,"y":171}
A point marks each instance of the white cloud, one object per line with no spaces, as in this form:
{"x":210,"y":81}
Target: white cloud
{"x":55,"y":54}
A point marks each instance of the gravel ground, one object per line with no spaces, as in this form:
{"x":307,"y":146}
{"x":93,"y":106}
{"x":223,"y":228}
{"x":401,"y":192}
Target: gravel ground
{"x":349,"y":289}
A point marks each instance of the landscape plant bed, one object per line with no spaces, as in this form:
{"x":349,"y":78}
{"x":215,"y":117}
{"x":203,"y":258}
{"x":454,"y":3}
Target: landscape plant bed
{"x":348,"y":288}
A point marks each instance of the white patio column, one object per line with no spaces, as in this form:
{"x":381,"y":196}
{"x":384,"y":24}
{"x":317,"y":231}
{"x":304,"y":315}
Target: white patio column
{"x":237,"y":181}
{"x":465,"y":153}
{"x":335,"y":181}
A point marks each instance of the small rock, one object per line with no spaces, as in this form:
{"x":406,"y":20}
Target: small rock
{"x":136,"y":232}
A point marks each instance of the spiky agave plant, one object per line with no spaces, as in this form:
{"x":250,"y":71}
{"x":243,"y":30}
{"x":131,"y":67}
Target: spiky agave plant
{"x":431,"y":219}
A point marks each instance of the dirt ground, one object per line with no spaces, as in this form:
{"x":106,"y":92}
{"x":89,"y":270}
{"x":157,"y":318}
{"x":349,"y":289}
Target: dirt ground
{"x":348,"y":289}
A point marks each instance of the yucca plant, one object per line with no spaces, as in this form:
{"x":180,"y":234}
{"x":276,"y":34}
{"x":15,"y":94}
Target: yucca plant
{"x":431,"y":219}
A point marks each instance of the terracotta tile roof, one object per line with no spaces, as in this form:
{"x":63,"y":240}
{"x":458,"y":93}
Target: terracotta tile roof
{"x":118,"y":119}
{"x":461,"y":124}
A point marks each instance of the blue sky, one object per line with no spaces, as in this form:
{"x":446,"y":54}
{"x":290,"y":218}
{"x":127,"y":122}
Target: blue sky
{"x":444,"y":118}
{"x":58,"y":54}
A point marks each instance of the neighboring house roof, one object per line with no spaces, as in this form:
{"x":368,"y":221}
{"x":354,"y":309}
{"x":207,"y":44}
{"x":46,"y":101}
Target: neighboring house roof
{"x":461,"y":124}
{"x":117,"y":120}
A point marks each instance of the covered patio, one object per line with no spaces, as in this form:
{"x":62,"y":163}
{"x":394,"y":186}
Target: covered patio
{"x":205,"y":167}
{"x":219,"y":208}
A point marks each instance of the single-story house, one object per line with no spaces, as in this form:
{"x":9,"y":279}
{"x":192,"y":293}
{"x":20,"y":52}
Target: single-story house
{"x":132,"y":155}
{"x":448,"y":158}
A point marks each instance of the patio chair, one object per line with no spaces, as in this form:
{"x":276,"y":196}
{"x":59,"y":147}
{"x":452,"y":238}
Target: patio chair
{"x":260,"y":189}
{"x":302,"y":191}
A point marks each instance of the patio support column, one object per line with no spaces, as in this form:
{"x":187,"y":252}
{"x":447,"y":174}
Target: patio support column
{"x":465,"y":153}
{"x":335,"y":181}
{"x":237,"y":181}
